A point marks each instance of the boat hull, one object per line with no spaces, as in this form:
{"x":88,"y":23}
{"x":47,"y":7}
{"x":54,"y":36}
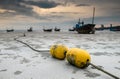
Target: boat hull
{"x":47,"y":30}
{"x":10,"y":30}
{"x":115,"y":28}
{"x":57,"y":30}
{"x":86,"y":29}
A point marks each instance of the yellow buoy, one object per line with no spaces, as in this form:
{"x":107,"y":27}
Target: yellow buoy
{"x":78,"y":57}
{"x":58,"y":51}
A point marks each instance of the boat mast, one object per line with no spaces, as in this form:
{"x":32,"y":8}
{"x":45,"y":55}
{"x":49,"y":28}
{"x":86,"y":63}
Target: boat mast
{"x":79,"y":21}
{"x":93,"y":15}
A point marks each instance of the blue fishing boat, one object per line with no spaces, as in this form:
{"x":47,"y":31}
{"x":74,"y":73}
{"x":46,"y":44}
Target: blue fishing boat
{"x":85,"y":28}
{"x":82,"y":28}
{"x":114,"y":28}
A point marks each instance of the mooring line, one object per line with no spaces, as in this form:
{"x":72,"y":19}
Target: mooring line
{"x":46,"y":50}
{"x":104,"y":71}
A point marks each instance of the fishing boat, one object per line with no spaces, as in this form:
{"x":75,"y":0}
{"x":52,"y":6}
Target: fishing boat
{"x":82,"y":28}
{"x":10,"y":30}
{"x":30,"y":29}
{"x":47,"y":30}
{"x":85,"y":28}
{"x":56,"y":29}
{"x":114,"y":28}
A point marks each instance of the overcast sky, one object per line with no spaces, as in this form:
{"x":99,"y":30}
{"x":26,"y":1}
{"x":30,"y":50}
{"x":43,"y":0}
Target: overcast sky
{"x":20,"y":13}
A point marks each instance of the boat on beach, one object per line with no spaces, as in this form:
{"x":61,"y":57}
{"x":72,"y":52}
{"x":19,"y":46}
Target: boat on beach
{"x":56,"y":29}
{"x":85,"y":28}
{"x":114,"y":28}
{"x":47,"y":30}
{"x":11,"y":30}
{"x":82,"y":28}
{"x":30,"y":29}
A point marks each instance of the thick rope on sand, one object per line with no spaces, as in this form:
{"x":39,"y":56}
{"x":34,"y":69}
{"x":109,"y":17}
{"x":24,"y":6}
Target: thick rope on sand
{"x":46,"y":50}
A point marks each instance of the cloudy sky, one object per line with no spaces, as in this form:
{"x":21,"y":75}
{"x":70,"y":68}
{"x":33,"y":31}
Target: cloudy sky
{"x":62,"y":13}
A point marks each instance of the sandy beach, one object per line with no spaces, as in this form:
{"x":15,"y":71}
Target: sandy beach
{"x":17,"y":61}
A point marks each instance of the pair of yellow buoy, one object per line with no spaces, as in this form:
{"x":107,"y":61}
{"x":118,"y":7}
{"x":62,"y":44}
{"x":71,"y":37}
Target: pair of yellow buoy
{"x":74,"y":56}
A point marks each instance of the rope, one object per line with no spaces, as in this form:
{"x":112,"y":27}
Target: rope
{"x":104,"y":71}
{"x":47,"y":50}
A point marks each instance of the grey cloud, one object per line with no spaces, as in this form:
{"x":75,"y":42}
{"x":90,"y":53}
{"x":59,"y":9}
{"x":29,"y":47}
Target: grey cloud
{"x":83,"y":5}
{"x":16,"y":6}
{"x":9,"y":2}
{"x":93,"y":2}
{"x":66,"y":13}
{"x":110,"y":7}
{"x":20,"y":8}
{"x":43,"y":4}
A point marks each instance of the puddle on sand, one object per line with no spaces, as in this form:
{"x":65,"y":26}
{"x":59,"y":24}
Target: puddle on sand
{"x":34,"y":56}
{"x":3,"y":70}
{"x":78,"y":46}
{"x":0,"y":60}
{"x":72,"y":78}
{"x":12,"y":48}
{"x":91,"y":74}
{"x":24,"y":60}
{"x":118,"y":61}
{"x":118,"y":68}
{"x":101,"y":53}
{"x":75,"y":70}
{"x":102,"y":43}
{"x":44,"y":54}
{"x":117,"y":53}
{"x":17,"y":72}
